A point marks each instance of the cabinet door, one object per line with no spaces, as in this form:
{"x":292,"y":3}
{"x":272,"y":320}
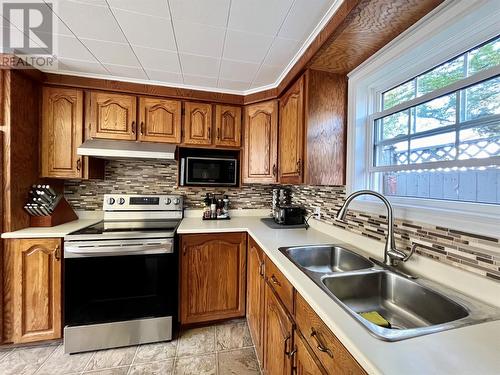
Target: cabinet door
{"x":37,"y":289}
{"x":228,"y":126}
{"x":213,"y":277}
{"x":62,"y":132}
{"x":260,"y":152}
{"x":277,"y":336}
{"x":255,"y":295}
{"x":112,"y":116}
{"x":304,"y":361}
{"x":197,"y":124}
{"x":291,"y":130}
{"x":160,"y":120}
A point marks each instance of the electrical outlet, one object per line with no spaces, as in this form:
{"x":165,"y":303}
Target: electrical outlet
{"x":317,"y":212}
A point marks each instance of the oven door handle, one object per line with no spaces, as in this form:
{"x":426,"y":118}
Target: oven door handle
{"x":103,"y":251}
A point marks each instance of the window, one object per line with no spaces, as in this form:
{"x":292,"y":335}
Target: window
{"x":437,"y":136}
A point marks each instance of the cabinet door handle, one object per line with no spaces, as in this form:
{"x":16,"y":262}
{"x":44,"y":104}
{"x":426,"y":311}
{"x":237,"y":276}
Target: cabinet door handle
{"x":289,"y":353}
{"x":209,"y":133}
{"x":321,"y":347}
{"x":275,"y":281}
{"x":274,"y":170}
{"x":57,"y":252}
{"x":79,"y":164}
{"x":261,"y":269}
{"x":299,"y":166}
{"x":184,"y":250}
{"x":142,"y":127}
{"x":218,"y":133}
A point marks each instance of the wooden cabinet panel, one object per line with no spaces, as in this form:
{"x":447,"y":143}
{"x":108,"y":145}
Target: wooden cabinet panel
{"x":228,"y":126}
{"x":113,"y":116}
{"x":291,"y":130}
{"x":213,"y":277}
{"x":62,"y":132}
{"x":280,"y":284}
{"x":197,"y":123}
{"x":260,"y":152}
{"x":37,"y":289}
{"x":278,"y":328}
{"x":334,"y":357}
{"x":305,"y":362}
{"x":255,"y":295}
{"x":159,"y":120}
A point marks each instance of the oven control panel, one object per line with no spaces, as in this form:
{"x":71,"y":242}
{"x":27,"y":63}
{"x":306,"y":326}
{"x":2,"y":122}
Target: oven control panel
{"x":126,"y":202}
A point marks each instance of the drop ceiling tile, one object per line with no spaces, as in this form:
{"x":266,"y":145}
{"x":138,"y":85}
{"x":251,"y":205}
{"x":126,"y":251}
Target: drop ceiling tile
{"x":303,"y":18}
{"x":91,"y":22}
{"x":233,"y":85}
{"x":79,"y":66}
{"x":111,"y":53}
{"x":126,"y":71}
{"x":199,"y":39}
{"x":199,"y":65}
{"x":213,"y":12}
{"x":258,"y":16}
{"x":238,"y":70}
{"x":246,"y":47}
{"x":158,"y":59}
{"x":146,"y":31}
{"x":71,"y":48}
{"x":164,"y":77}
{"x":268,"y":74}
{"x":151,"y":7}
{"x":282,"y":52}
{"x":200,"y":81}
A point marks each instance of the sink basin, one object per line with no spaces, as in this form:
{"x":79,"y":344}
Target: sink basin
{"x":326,"y":259}
{"x":403,"y":302}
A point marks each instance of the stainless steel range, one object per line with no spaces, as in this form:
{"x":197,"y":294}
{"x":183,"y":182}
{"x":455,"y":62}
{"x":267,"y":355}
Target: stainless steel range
{"x":120,"y":275}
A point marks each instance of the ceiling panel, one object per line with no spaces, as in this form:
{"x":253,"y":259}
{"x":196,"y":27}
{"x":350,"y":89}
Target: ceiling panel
{"x":112,"y":53}
{"x":70,"y":47}
{"x":234,"y":85}
{"x":213,"y":12}
{"x":126,"y":71}
{"x":198,"y":39}
{"x":246,"y":47}
{"x":162,"y":76}
{"x":150,"y":7}
{"x":158,"y":59}
{"x":238,"y":70}
{"x":282,"y":51}
{"x":69,"y":65}
{"x":303,"y":14}
{"x":267,"y":75}
{"x":199,"y":65}
{"x":193,"y":80}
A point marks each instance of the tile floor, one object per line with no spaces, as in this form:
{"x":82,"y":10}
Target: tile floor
{"x":220,"y":349}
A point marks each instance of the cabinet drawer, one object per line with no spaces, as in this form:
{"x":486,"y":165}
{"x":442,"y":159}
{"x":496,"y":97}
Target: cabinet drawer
{"x":332,"y":354}
{"x":280,"y":284}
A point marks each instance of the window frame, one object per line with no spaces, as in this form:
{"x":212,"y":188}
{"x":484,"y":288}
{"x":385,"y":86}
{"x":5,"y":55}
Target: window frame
{"x":460,"y":26}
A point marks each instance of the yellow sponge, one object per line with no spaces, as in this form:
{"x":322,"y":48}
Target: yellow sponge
{"x":376,"y":318}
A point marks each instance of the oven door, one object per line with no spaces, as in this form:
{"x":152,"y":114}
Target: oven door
{"x":102,"y":289}
{"x":211,"y":171}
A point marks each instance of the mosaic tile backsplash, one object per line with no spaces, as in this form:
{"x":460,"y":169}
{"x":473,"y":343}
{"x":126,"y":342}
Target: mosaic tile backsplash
{"x":471,"y":252}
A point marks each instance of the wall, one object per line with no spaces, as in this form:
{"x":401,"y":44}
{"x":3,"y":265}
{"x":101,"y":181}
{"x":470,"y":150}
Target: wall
{"x":155,"y":177}
{"x":469,"y":251}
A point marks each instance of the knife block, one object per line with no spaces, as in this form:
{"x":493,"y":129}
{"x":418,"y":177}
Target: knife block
{"x":62,"y":213}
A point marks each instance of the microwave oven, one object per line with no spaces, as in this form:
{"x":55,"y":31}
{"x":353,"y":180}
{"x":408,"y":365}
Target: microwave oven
{"x":195,"y":171}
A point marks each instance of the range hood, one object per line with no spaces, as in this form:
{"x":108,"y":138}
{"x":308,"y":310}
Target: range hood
{"x":111,"y":149}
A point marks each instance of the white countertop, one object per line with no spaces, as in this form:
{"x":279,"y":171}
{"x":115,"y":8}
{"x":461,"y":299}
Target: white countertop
{"x":48,"y":232}
{"x":468,"y":350}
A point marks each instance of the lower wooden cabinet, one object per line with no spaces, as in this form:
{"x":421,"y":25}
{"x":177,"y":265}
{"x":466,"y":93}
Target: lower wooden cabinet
{"x":33,"y":278}
{"x":213,"y":277}
{"x":304,"y":362}
{"x":278,"y":331}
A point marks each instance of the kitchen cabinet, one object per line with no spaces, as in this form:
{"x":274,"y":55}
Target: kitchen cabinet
{"x":291,"y":135}
{"x":304,"y":362}
{"x":213,"y":277}
{"x":280,"y":284}
{"x":255,"y":295}
{"x":112,"y":116}
{"x":35,"y":279}
{"x":159,"y":120}
{"x":278,"y":330}
{"x":62,"y":133}
{"x":197,"y":124}
{"x":227,"y":126}
{"x":260,"y":151}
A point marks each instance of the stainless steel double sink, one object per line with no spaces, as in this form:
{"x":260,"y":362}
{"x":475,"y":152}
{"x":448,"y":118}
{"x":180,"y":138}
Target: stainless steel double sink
{"x":413,"y":307}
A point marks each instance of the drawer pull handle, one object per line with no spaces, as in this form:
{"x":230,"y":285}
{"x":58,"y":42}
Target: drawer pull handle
{"x":275,"y":280}
{"x":57,"y":252}
{"x":321,"y":347}
{"x":289,"y":353}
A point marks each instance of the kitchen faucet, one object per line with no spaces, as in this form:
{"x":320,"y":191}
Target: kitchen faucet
{"x":391,"y":254}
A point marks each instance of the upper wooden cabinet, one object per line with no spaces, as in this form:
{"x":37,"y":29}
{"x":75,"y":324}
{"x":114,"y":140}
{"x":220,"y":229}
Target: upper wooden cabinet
{"x":197,"y":123}
{"x":227,"y":126}
{"x":36,"y":283}
{"x":213,"y":277}
{"x":291,"y":133}
{"x":62,"y":132}
{"x":112,"y":116}
{"x":159,"y":120}
{"x":260,"y":151}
